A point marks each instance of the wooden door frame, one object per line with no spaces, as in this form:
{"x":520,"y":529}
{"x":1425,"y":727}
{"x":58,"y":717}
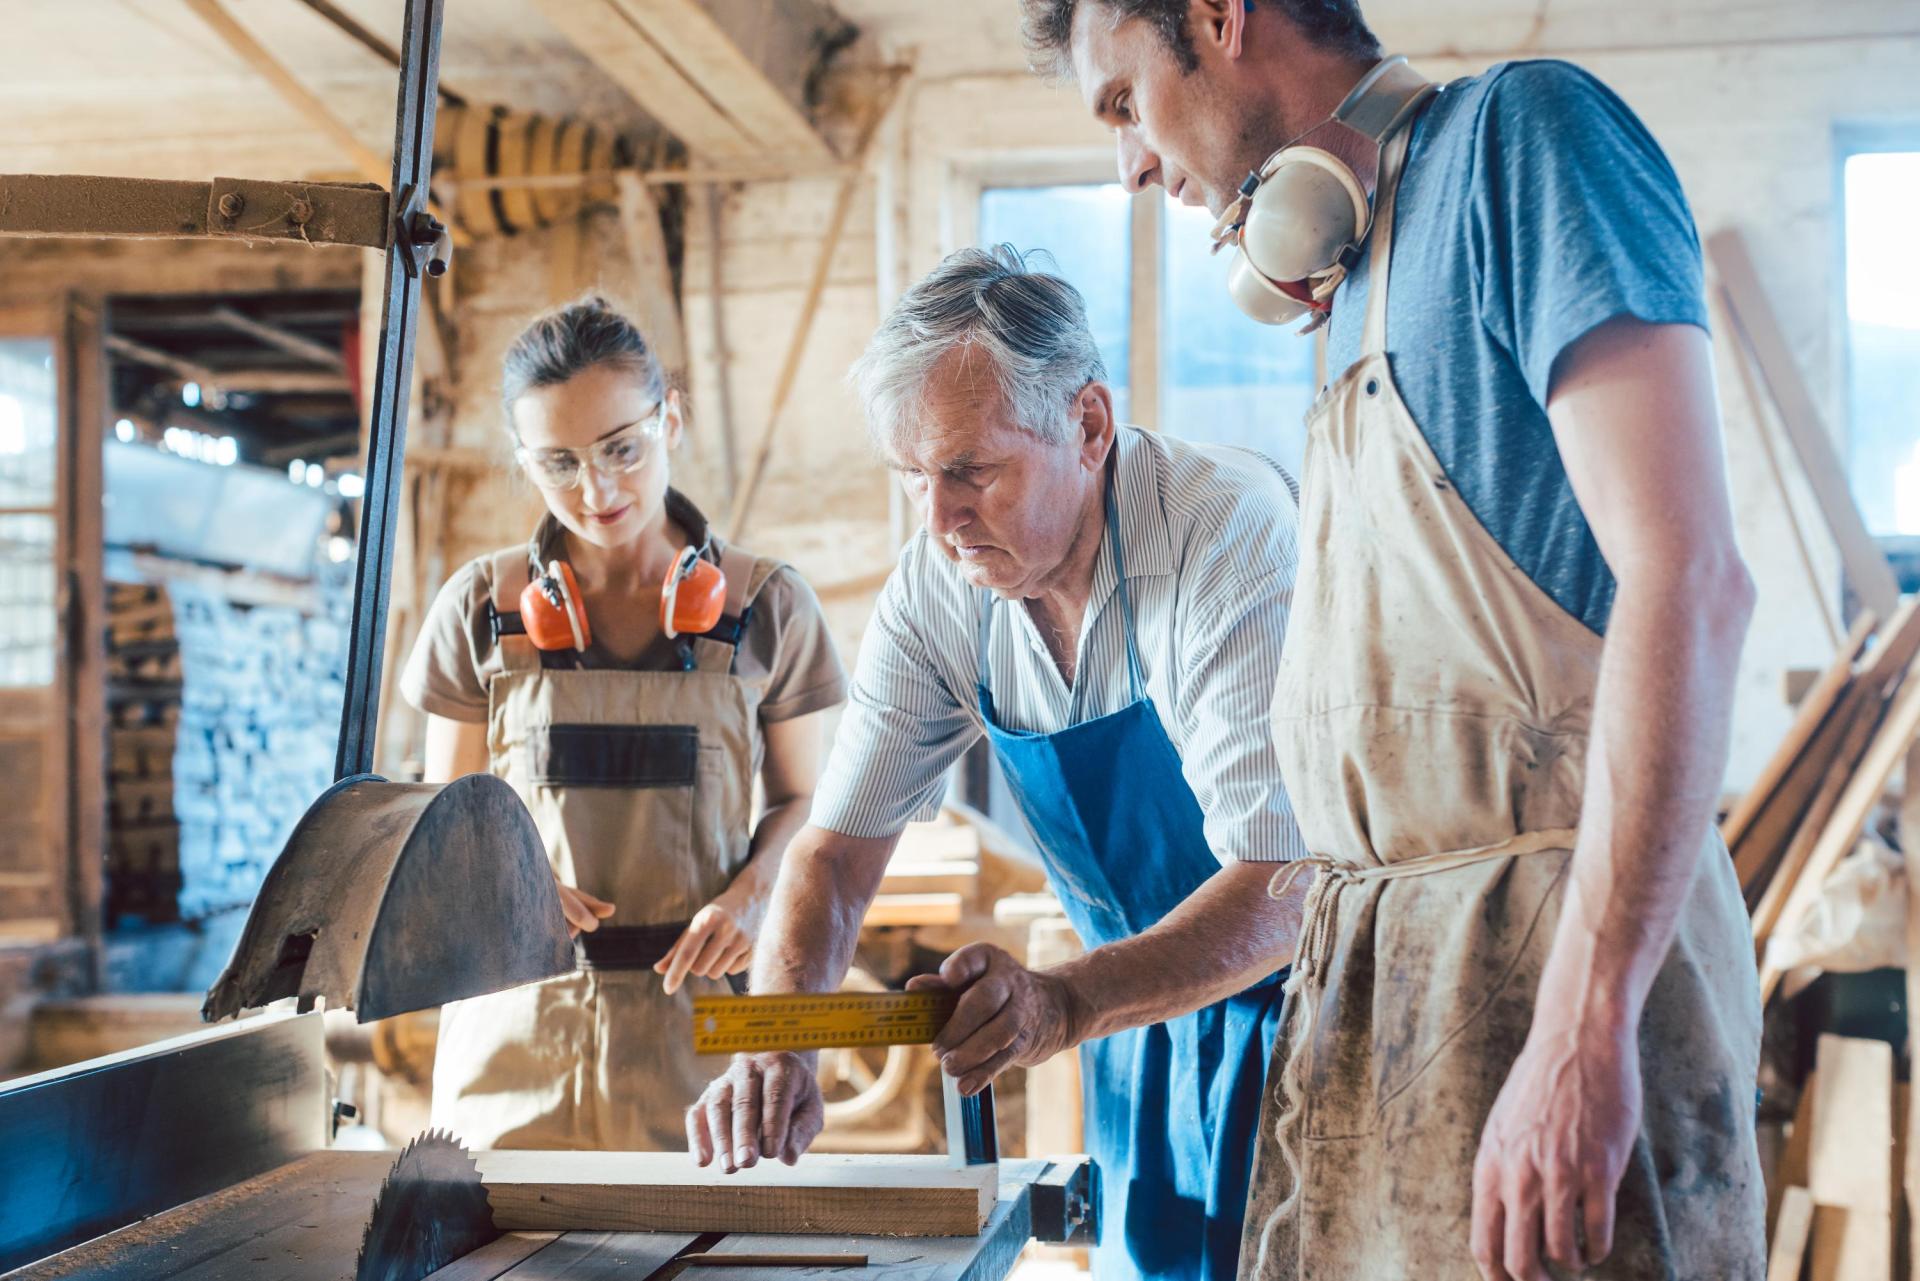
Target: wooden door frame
{"x":76,"y":811}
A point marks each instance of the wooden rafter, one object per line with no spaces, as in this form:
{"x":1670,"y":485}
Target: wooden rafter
{"x":283,"y":339}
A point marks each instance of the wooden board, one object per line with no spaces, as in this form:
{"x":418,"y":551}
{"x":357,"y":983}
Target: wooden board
{"x":606,"y":34}
{"x":1858,"y":721}
{"x":1813,"y":710}
{"x":687,"y":33}
{"x":910,"y":1196}
{"x":590,"y":1256}
{"x":496,"y":1258}
{"x":1862,"y":793}
{"x":1789,"y":1250}
{"x":1759,"y":326}
{"x":1853,"y":1121}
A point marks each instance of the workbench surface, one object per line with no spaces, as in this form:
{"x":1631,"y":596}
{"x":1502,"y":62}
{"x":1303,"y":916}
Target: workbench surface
{"x":303,"y":1222}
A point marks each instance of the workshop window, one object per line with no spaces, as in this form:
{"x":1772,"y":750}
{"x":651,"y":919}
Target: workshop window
{"x":1085,"y":230}
{"x":1181,"y":358}
{"x":28,"y":417}
{"x":1881,"y":189}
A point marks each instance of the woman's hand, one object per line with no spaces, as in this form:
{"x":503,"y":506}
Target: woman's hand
{"x":718,"y":941}
{"x":584,"y":911}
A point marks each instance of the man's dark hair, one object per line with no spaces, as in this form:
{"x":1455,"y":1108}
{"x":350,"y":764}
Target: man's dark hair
{"x":1048,"y":27}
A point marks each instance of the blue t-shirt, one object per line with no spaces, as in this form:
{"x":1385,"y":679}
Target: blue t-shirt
{"x":1535,"y":207}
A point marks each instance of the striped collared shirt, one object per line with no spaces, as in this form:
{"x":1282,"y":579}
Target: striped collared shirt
{"x":1208,"y":536}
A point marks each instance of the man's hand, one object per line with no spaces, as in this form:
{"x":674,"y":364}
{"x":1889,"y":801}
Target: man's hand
{"x":584,"y":911}
{"x":765,"y":1105}
{"x":718,"y":941}
{"x":1008,"y":1015}
{"x":1555,"y":1148}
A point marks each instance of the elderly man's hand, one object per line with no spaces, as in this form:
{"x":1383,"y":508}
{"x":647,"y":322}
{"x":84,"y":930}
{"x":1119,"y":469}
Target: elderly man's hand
{"x":766,"y":1105}
{"x":1008,"y":1015}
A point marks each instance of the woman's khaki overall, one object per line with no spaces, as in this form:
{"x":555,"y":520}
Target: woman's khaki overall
{"x":641,"y":783}
{"x":1432,"y":719}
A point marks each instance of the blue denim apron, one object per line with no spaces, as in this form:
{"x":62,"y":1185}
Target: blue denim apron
{"x":1172,"y":1109}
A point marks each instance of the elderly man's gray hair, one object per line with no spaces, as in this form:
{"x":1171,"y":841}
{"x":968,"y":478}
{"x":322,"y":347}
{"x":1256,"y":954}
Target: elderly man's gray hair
{"x":1030,"y":327}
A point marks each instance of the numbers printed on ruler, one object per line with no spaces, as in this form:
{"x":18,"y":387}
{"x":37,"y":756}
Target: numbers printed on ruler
{"x":736,"y":1024}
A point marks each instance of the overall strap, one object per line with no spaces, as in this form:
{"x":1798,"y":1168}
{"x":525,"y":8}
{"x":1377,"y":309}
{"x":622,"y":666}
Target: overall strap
{"x":746,"y":575}
{"x":511,"y":574}
{"x":1373,"y":340}
{"x":1136,"y":682}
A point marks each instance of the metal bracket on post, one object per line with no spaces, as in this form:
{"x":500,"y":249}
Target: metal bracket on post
{"x":424,"y":242}
{"x":973,"y":1136}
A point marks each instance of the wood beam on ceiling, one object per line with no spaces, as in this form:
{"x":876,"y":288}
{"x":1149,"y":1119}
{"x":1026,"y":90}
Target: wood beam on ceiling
{"x":283,"y":339}
{"x":371,"y":165}
{"x":687,"y":33}
{"x":602,"y":31}
{"x":262,"y":382}
{"x":683,"y":69}
{"x":359,"y":33}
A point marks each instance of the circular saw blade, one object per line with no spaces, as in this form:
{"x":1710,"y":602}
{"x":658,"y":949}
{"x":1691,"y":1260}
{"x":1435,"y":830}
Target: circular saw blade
{"x":431,"y":1209}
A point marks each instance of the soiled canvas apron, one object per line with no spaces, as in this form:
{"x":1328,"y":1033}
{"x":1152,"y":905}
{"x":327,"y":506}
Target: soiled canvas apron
{"x":641,"y":783}
{"x":1432,"y":718}
{"x":1170,"y":1109}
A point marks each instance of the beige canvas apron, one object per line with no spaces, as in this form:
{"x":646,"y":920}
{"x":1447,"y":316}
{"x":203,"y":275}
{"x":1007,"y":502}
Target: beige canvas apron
{"x":1432,"y":718}
{"x":641,"y":784}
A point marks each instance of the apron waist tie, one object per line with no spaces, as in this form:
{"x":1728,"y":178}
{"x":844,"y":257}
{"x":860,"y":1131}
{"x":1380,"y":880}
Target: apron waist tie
{"x":1316,"y":947}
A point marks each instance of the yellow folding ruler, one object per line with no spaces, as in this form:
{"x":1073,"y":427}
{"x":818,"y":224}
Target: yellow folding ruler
{"x":739,"y":1024}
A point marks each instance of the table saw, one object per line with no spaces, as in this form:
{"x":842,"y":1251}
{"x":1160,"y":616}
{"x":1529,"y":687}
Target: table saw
{"x":205,"y":1158}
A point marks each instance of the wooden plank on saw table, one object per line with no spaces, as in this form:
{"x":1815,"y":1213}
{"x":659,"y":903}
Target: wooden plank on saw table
{"x":497,"y":1258}
{"x":1813,"y":710}
{"x":908,"y":1196}
{"x":591,"y":1256}
{"x":1851,"y":1168}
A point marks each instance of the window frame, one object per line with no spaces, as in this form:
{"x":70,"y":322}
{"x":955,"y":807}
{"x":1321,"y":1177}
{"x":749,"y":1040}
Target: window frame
{"x":1850,"y":140}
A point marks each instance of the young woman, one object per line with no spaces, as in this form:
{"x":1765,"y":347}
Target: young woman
{"x":550,"y":663}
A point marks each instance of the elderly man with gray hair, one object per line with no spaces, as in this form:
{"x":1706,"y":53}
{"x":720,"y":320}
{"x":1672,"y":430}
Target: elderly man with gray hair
{"x":1105,"y":606}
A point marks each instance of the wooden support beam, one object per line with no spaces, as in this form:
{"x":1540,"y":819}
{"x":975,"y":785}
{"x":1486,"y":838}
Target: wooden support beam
{"x":263,"y":382}
{"x":652,"y":294}
{"x":685,"y":31}
{"x":352,"y":28}
{"x":603,"y":31}
{"x":315,"y":213}
{"x":707,"y":198}
{"x":810,"y":309}
{"x":1758,"y":327}
{"x":371,"y":165}
{"x":907,"y":1196}
{"x":283,"y":339}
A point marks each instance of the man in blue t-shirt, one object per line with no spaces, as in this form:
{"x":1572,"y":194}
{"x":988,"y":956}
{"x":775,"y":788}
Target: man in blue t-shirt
{"x":1525,"y":607}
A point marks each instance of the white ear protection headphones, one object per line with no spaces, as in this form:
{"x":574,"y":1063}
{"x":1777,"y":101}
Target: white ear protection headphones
{"x":1300,"y":220}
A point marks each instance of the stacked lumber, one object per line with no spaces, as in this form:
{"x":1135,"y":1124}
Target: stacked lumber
{"x":143,"y":713}
{"x":1812,"y":801}
{"x":1837,"y":1191}
{"x":260,"y":712}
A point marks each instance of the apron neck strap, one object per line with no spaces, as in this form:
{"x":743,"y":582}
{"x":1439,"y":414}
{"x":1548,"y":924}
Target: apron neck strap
{"x":1136,"y":682}
{"x":1373,"y":340}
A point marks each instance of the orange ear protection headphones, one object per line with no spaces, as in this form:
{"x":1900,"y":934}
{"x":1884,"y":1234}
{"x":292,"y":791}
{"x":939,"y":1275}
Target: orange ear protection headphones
{"x":693,"y":599}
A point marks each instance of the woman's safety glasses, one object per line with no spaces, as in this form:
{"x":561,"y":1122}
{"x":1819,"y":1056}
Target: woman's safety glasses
{"x":624,"y":451}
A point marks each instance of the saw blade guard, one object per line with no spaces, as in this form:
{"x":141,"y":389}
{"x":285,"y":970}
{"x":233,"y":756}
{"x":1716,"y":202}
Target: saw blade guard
{"x":391,"y":897}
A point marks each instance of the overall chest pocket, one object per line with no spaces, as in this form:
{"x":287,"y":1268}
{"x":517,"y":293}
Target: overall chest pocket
{"x":624,"y":756}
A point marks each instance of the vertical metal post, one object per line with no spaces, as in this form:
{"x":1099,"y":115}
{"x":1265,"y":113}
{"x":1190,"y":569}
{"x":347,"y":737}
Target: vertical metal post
{"x":392,"y":385}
